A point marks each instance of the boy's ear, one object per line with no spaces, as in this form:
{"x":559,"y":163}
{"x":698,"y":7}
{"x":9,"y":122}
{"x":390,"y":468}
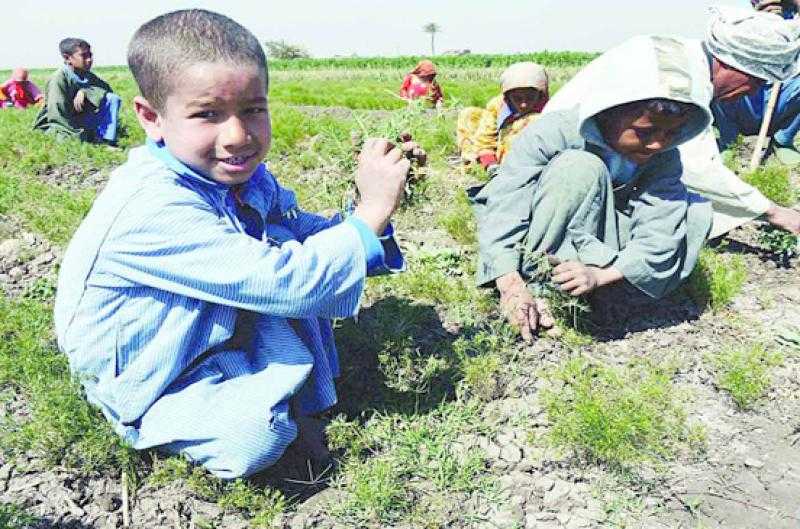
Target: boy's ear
{"x":148,"y":117}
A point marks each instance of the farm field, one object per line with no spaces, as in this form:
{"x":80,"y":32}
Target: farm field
{"x":683,"y":413}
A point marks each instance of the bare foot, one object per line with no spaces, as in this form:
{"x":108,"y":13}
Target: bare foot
{"x":784,"y":218}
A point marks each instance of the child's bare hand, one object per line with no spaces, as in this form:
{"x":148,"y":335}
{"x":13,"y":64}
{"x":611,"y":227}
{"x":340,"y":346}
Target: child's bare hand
{"x":412,"y":150}
{"x":521,"y":309}
{"x":380,"y":179}
{"x":78,"y":102}
{"x":575,"y":278}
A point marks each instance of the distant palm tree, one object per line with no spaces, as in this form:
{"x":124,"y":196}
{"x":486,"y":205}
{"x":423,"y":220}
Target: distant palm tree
{"x":433,"y":28}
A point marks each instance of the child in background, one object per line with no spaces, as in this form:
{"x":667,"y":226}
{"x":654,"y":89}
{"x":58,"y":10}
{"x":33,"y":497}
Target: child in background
{"x":78,"y":103}
{"x":19,"y":91}
{"x":485,"y":135}
{"x":194,"y":301}
{"x":421,"y":83}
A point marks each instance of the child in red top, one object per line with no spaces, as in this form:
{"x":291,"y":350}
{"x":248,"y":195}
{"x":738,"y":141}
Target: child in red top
{"x":19,"y":92}
{"x":421,"y":82}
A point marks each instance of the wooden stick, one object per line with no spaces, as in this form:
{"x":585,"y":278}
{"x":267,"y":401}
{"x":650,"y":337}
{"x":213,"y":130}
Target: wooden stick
{"x":126,"y":509}
{"x":758,"y":153}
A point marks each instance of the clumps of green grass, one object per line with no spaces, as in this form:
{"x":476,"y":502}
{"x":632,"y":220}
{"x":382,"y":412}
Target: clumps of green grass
{"x":482,"y":360}
{"x":442,"y":277}
{"x":745,"y":372}
{"x":395,"y":467}
{"x":773,"y":181}
{"x":459,"y":221}
{"x":619,"y":416}
{"x":13,"y":517}
{"x":51,"y":212}
{"x":716,"y":279}
{"x":407,"y":369}
{"x":781,"y":243}
{"x":60,"y":426}
{"x":261,"y":506}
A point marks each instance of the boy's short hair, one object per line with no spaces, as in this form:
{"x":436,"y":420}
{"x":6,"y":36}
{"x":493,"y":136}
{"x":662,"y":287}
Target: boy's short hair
{"x":70,"y":45}
{"x":164,"y":46}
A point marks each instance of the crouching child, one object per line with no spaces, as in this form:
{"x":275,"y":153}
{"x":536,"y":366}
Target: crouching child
{"x":598,"y":189}
{"x":194,"y":300}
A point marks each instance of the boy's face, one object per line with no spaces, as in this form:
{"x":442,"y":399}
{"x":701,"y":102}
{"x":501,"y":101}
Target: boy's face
{"x":215,"y":120}
{"x":638,"y":135}
{"x":80,"y":59}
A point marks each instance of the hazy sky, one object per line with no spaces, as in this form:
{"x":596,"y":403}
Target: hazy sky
{"x":31,"y":31}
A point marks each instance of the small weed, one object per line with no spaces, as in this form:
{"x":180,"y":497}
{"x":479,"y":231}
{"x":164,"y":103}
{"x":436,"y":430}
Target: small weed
{"x":376,"y":490}
{"x":43,"y":289}
{"x":389,"y":454}
{"x":619,"y":416}
{"x":745,"y":373}
{"x":479,"y":376}
{"x":13,"y":517}
{"x":569,"y":311}
{"x":260,"y":506}
{"x":716,"y":279}
{"x":780,"y":243}
{"x":459,"y":221}
{"x":408,"y":370}
{"x":773,"y":181}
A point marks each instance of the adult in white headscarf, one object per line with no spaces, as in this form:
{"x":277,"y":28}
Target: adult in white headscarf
{"x":742,"y":49}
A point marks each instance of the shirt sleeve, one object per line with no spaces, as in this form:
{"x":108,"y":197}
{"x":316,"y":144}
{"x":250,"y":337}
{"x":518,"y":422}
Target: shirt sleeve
{"x":186,"y":248}
{"x":733,"y":200}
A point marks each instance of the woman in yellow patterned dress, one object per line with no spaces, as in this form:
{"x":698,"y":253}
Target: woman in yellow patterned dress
{"x":485,"y":134}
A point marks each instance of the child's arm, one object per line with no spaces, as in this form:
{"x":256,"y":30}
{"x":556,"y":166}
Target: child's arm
{"x":172,"y":240}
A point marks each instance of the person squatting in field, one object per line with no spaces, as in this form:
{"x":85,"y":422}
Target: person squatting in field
{"x":77,"y":103}
{"x":421,"y":83}
{"x":744,"y":115}
{"x":485,"y":135}
{"x":604,"y":182}
{"x":20,"y":92}
{"x":194,"y":301}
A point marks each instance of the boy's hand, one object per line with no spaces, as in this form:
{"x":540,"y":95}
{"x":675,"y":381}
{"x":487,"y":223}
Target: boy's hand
{"x":78,"y":102}
{"x":381,"y":180}
{"x":576,"y":278}
{"x":521,"y":309}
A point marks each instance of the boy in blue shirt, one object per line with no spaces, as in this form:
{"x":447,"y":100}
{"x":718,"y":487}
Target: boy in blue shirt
{"x":194,"y":300}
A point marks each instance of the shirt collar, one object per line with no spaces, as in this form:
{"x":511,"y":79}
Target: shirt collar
{"x":246,"y":193}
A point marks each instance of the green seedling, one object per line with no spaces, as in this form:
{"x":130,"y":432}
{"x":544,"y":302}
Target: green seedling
{"x":781,"y":243}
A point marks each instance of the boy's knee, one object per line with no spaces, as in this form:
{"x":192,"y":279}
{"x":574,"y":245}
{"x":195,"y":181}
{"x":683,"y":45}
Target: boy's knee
{"x":113,"y":99}
{"x":574,"y":171}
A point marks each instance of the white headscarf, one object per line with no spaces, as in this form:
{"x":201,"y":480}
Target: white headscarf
{"x":760,"y":44}
{"x":524,"y":75}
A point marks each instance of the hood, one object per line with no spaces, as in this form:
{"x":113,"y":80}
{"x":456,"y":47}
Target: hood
{"x":645,"y":67}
